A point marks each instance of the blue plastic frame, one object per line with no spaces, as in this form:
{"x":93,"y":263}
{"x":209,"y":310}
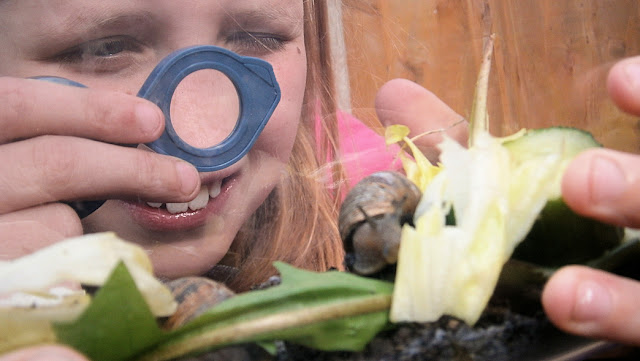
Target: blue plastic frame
{"x":258,"y":92}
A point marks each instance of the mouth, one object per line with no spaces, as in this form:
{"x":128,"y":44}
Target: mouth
{"x":210,"y":202}
{"x":207,"y":193}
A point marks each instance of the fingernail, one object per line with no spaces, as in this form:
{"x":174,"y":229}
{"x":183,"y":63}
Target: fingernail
{"x":149,"y":118}
{"x":632,"y":71}
{"x":608,"y":180}
{"x":189,"y":177}
{"x":593,"y":302}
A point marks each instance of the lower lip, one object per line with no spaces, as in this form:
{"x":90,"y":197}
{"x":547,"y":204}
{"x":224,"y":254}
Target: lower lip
{"x":159,"y":219}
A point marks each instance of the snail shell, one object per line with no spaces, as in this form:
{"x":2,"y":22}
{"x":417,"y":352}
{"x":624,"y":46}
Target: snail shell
{"x":194,"y":295}
{"x":371,"y":219}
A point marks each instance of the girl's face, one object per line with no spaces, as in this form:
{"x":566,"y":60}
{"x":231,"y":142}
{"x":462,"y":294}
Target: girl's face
{"x":115,"y":44}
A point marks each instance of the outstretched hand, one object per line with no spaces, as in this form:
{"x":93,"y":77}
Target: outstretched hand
{"x":602,"y":184}
{"x":57,"y":144}
{"x":401,"y":101}
{"x":42,"y":353}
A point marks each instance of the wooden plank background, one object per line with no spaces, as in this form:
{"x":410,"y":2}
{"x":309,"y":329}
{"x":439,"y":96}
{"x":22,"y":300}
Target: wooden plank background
{"x":550,"y":63}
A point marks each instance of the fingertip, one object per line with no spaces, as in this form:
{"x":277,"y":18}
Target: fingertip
{"x":395,"y":95}
{"x":601,"y":183}
{"x":577,"y":299}
{"x":593,"y":303}
{"x":189,"y":178}
{"x":575,"y":182}
{"x":558,"y":295}
{"x":623,"y":85}
{"x":150,"y":119}
{"x":401,"y":101}
{"x":46,"y":352}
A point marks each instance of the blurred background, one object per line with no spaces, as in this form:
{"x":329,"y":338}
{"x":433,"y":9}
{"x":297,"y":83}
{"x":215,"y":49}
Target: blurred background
{"x":551,"y":58}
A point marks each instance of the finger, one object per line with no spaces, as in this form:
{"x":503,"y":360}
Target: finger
{"x":28,"y":230}
{"x":623,"y":84}
{"x":603,"y":184}
{"x":34,"y":107}
{"x":52,"y":168}
{"x":44,"y":353}
{"x":401,"y":101}
{"x":593,"y":303}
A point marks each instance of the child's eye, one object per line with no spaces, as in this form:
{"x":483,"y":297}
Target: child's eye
{"x":255,"y":44}
{"x":101,"y":55}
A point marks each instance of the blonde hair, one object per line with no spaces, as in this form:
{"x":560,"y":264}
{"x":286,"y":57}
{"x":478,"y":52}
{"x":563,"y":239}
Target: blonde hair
{"x":297,"y":223}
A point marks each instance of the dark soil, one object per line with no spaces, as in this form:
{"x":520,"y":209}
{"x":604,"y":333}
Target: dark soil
{"x":513,"y":327}
{"x":499,"y":335}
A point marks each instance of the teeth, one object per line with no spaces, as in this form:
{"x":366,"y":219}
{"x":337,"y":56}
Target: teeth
{"x":177,"y":207}
{"x":199,"y":202}
{"x":214,"y":189}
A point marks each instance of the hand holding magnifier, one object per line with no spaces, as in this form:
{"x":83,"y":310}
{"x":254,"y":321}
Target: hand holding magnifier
{"x":258,"y":93}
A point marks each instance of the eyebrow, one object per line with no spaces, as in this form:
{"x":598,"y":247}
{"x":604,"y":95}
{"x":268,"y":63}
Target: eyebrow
{"x":81,"y":26}
{"x":275,"y":13}
{"x":95,"y":23}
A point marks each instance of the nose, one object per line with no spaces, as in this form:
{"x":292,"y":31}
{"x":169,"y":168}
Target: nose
{"x":205,"y":108}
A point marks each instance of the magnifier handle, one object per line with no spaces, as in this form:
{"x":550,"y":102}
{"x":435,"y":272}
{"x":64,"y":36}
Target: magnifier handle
{"x":85,"y":208}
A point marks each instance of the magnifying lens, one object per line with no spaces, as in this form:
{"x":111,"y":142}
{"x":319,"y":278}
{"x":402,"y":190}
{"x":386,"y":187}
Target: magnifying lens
{"x":257,"y":91}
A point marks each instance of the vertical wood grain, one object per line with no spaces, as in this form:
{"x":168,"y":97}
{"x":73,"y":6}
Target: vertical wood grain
{"x":551,"y":58}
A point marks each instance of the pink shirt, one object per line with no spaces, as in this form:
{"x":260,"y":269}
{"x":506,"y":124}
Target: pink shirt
{"x":363,"y":151}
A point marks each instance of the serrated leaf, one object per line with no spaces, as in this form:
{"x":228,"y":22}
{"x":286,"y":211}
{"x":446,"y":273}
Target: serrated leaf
{"x":328,"y":311}
{"x":117,"y":325}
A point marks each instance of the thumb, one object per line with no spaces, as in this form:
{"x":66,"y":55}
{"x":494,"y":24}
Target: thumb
{"x":401,"y":101}
{"x":44,"y":353}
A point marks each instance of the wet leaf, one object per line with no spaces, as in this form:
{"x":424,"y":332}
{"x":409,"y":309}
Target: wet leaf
{"x":328,"y":311}
{"x":117,"y":325}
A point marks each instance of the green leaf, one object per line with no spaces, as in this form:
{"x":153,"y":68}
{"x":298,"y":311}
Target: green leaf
{"x":328,"y":311}
{"x":395,"y":133}
{"x":117,"y":325}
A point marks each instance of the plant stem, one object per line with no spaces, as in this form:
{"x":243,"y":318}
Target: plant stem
{"x":247,"y":330}
{"x":479,"y":116}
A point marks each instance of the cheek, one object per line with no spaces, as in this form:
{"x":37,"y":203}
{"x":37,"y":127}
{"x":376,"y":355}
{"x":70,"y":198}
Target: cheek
{"x":278,"y":136}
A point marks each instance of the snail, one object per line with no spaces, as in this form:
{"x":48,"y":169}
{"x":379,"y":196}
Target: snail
{"x":194,"y":296}
{"x":371,"y":219}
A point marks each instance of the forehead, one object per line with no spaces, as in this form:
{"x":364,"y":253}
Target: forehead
{"x":52,"y":5}
{"x":24,"y":20}
{"x":83,"y":9}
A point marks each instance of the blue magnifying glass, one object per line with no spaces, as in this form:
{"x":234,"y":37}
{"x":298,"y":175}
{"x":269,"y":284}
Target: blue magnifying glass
{"x":258,"y":94}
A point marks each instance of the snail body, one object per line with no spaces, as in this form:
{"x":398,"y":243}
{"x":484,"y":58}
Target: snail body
{"x":371,"y":219}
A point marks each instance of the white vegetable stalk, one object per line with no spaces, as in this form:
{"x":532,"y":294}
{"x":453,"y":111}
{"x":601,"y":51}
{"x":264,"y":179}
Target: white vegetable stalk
{"x":87,"y":260}
{"x":32,"y":299}
{"x":452,"y":270}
